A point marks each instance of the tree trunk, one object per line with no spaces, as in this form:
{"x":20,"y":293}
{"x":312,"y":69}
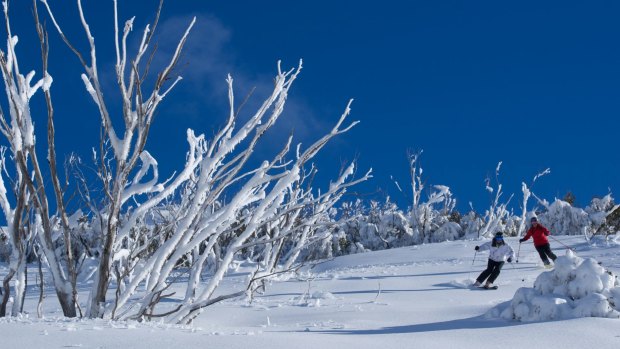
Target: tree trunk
{"x":19,"y":284}
{"x":102,"y":280}
{"x":7,"y":292}
{"x":66,"y":303}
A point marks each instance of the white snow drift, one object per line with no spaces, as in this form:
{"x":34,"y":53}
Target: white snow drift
{"x":576,"y":288}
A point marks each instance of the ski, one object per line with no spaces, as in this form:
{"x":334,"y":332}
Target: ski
{"x":484,"y":288}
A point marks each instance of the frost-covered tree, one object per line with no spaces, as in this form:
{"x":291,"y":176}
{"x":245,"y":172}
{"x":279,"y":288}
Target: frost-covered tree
{"x":32,"y":176}
{"x":144,"y":231}
{"x":425,"y":217}
{"x":265,"y":197}
{"x":316,"y":219}
{"x":124,"y":173}
{"x":15,"y":239}
{"x":527,"y":193}
{"x":494,"y":218}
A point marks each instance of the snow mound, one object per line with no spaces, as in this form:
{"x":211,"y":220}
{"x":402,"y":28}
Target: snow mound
{"x":575,"y":288}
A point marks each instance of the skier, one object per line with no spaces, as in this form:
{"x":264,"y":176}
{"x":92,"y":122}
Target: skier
{"x":499,"y":252}
{"x":539,"y":233}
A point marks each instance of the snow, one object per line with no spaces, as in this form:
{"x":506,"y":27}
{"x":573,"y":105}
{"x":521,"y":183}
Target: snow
{"x":416,"y":296}
{"x":576,"y":287}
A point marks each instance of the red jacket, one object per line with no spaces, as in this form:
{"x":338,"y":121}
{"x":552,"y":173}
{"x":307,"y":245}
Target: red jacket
{"x":539,"y":233}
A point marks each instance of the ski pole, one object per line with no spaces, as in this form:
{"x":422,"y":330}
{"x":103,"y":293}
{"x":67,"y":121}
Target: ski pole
{"x":518,"y":251}
{"x":472,"y":264}
{"x":563,"y":244}
{"x":515,"y":269}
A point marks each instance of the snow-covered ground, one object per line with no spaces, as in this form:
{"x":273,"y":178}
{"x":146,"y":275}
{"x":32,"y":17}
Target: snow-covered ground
{"x":412,"y":297}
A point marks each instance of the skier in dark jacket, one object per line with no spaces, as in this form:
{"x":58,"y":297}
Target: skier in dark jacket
{"x":499,"y":252}
{"x":539,"y":233}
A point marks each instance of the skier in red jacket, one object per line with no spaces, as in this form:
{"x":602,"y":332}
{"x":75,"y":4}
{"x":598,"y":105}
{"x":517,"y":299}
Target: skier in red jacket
{"x":539,"y":233}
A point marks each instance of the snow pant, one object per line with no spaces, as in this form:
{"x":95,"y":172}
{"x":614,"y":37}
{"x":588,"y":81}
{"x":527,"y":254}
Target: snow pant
{"x":544,"y":251}
{"x":491,"y":272}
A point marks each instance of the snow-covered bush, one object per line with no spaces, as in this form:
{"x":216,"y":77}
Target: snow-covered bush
{"x":395,"y":228}
{"x":600,"y":204}
{"x":563,"y":219}
{"x":427,"y":217}
{"x":383,"y":226}
{"x":575,"y":288}
{"x":471,"y":223}
{"x":448,"y":231}
{"x":604,"y":215}
{"x":511,"y":225}
{"x":369,"y":236}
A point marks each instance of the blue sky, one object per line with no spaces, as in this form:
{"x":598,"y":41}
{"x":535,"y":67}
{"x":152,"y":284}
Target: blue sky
{"x":533,"y":84}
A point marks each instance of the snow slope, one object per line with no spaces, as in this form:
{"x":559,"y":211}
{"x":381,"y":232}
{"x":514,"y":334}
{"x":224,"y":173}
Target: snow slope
{"x":412,"y":297}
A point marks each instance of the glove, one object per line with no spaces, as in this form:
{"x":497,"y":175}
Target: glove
{"x":509,"y":260}
{"x":521,"y":240}
{"x":477,"y":248}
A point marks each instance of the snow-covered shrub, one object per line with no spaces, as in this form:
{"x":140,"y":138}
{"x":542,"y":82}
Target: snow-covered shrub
{"x":600,"y":204}
{"x":604,"y":215}
{"x":563,"y":219}
{"x":575,"y":288}
{"x":611,"y":224}
{"x":341,"y":245}
{"x":471,"y":223}
{"x":448,"y":231}
{"x":383,"y":226}
{"x":369,"y":236}
{"x":511,"y":225}
{"x":427,"y":217}
{"x":395,"y":228}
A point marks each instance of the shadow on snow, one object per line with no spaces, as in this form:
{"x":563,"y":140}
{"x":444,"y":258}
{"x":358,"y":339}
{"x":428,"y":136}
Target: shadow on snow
{"x":478,"y":322}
